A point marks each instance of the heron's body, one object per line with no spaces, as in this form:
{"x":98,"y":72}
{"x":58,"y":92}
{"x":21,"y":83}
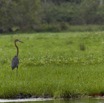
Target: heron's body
{"x":15,"y":60}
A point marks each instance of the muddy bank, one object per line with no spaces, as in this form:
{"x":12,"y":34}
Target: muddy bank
{"x":65,"y":95}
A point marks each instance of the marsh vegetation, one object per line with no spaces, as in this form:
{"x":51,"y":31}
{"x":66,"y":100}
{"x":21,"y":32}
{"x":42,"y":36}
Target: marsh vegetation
{"x":68,"y":64}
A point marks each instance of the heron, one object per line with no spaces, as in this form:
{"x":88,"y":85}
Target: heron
{"x":15,"y":60}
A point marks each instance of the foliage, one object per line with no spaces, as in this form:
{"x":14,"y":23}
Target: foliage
{"x":53,"y":64}
{"x":28,"y":15}
{"x":20,"y":14}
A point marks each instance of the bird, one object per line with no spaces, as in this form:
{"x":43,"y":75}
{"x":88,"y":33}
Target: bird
{"x":15,"y":60}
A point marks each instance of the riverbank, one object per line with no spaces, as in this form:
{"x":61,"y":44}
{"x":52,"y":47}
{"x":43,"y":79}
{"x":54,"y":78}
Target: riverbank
{"x":57,"y":65}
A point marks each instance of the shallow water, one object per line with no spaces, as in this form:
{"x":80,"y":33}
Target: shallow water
{"x":74,"y":101}
{"x":40,"y":100}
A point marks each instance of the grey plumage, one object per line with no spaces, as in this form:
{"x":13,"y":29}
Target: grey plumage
{"x":15,"y":60}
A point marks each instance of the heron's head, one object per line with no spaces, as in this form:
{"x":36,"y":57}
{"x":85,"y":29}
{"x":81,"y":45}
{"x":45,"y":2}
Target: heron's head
{"x":17,"y":40}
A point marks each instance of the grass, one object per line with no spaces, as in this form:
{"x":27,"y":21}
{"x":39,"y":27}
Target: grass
{"x":53,"y":64}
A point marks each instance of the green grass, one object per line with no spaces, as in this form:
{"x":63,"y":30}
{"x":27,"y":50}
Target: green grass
{"x":53,"y":64}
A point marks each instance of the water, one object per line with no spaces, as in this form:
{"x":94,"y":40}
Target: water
{"x":74,"y":101}
{"x":39,"y":100}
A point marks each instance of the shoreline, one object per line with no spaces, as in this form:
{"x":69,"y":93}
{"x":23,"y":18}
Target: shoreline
{"x":32,"y":99}
{"x":25,"y":100}
{"x":48,"y":97}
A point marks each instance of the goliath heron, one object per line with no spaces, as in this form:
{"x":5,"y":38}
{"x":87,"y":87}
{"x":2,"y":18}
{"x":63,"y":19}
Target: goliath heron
{"x":15,"y":60}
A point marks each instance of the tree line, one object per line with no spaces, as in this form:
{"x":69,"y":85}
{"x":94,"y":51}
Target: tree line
{"x":49,"y":15}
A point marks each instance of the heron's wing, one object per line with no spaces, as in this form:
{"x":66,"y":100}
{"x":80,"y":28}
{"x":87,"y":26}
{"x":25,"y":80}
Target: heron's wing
{"x":15,"y":62}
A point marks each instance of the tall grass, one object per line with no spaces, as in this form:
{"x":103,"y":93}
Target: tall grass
{"x":53,"y":64}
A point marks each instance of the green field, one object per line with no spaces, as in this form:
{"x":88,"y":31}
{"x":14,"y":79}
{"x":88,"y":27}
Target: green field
{"x":53,"y":64}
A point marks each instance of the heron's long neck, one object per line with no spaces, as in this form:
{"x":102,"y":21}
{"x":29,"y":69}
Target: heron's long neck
{"x":17,"y":48}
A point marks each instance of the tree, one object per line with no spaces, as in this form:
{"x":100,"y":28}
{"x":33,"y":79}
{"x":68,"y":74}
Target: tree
{"x":101,"y":2}
{"x":20,"y":13}
{"x":86,"y":12}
